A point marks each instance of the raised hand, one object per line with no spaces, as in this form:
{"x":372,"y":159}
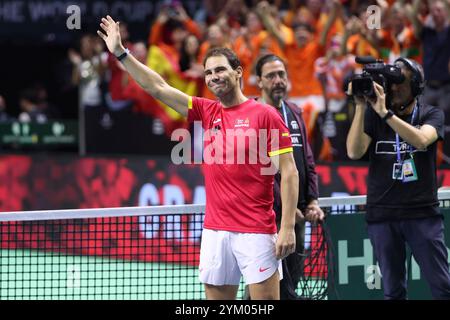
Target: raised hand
{"x":263,"y":8}
{"x":181,"y":13}
{"x":111,"y":35}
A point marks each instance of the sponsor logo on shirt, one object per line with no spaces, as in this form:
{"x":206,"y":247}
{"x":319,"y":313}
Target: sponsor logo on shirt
{"x":390,"y":147}
{"x":239,"y":145}
{"x":296,"y":139}
{"x":240,"y":123}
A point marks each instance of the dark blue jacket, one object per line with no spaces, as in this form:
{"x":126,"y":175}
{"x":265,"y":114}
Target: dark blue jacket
{"x":308,"y":160}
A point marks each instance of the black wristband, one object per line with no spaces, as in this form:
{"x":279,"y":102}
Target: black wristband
{"x":388,"y":115}
{"x":123,"y":55}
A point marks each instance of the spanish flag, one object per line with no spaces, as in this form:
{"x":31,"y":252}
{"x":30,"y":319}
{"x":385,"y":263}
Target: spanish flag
{"x":164,"y":63}
{"x":160,"y":60}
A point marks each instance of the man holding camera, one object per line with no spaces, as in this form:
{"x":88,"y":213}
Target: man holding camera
{"x":402,"y":207}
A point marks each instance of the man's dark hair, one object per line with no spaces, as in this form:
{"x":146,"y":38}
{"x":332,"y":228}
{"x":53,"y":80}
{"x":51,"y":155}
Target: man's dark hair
{"x":270,"y":57}
{"x":233,"y":60}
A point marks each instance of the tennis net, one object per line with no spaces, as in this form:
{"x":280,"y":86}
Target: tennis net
{"x":120,"y":253}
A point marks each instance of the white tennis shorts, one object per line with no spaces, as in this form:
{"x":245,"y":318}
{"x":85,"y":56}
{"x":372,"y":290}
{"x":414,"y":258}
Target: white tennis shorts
{"x":225,"y":256}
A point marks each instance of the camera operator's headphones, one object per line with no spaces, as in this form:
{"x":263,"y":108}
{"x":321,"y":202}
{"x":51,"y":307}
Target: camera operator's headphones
{"x":417,"y":80}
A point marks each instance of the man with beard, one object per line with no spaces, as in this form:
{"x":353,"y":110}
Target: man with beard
{"x":273,"y":80}
{"x":239,"y":235}
{"x":401,"y":137}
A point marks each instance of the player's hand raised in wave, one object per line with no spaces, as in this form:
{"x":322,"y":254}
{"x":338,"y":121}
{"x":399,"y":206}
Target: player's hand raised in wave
{"x":111,"y":35}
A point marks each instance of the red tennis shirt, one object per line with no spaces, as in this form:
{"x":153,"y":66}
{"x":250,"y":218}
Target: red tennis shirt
{"x":238,"y":142}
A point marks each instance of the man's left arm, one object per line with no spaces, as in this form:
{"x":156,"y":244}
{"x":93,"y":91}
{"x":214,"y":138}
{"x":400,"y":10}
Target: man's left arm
{"x":418,"y":138}
{"x":289,"y":196}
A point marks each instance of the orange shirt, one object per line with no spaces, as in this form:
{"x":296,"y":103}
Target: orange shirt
{"x":157,"y":31}
{"x":247,"y":55}
{"x":337,"y":27}
{"x":301,"y":68}
{"x":405,"y":44}
{"x":359,"y":46}
{"x":266,"y":43}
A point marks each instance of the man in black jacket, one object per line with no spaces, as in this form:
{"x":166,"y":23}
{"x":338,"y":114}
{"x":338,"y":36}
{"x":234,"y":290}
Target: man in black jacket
{"x":273,"y":81}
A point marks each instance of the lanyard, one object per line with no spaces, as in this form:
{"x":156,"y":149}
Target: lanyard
{"x":283,"y":107}
{"x":397,"y":138}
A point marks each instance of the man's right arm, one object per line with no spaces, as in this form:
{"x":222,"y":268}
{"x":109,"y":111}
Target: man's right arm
{"x":148,"y":79}
{"x":289,"y":189}
{"x":357,"y":140}
{"x":263,"y":11}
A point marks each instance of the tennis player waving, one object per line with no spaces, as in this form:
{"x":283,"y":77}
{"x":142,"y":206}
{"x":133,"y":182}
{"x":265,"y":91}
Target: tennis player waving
{"x":243,"y":141}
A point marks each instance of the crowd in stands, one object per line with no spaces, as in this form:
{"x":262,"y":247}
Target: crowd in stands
{"x":34,"y":106}
{"x":318,"y":39}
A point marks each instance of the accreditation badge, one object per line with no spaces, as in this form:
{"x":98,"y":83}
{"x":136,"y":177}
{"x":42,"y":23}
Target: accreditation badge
{"x":409,"y":171}
{"x":397,"y":172}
